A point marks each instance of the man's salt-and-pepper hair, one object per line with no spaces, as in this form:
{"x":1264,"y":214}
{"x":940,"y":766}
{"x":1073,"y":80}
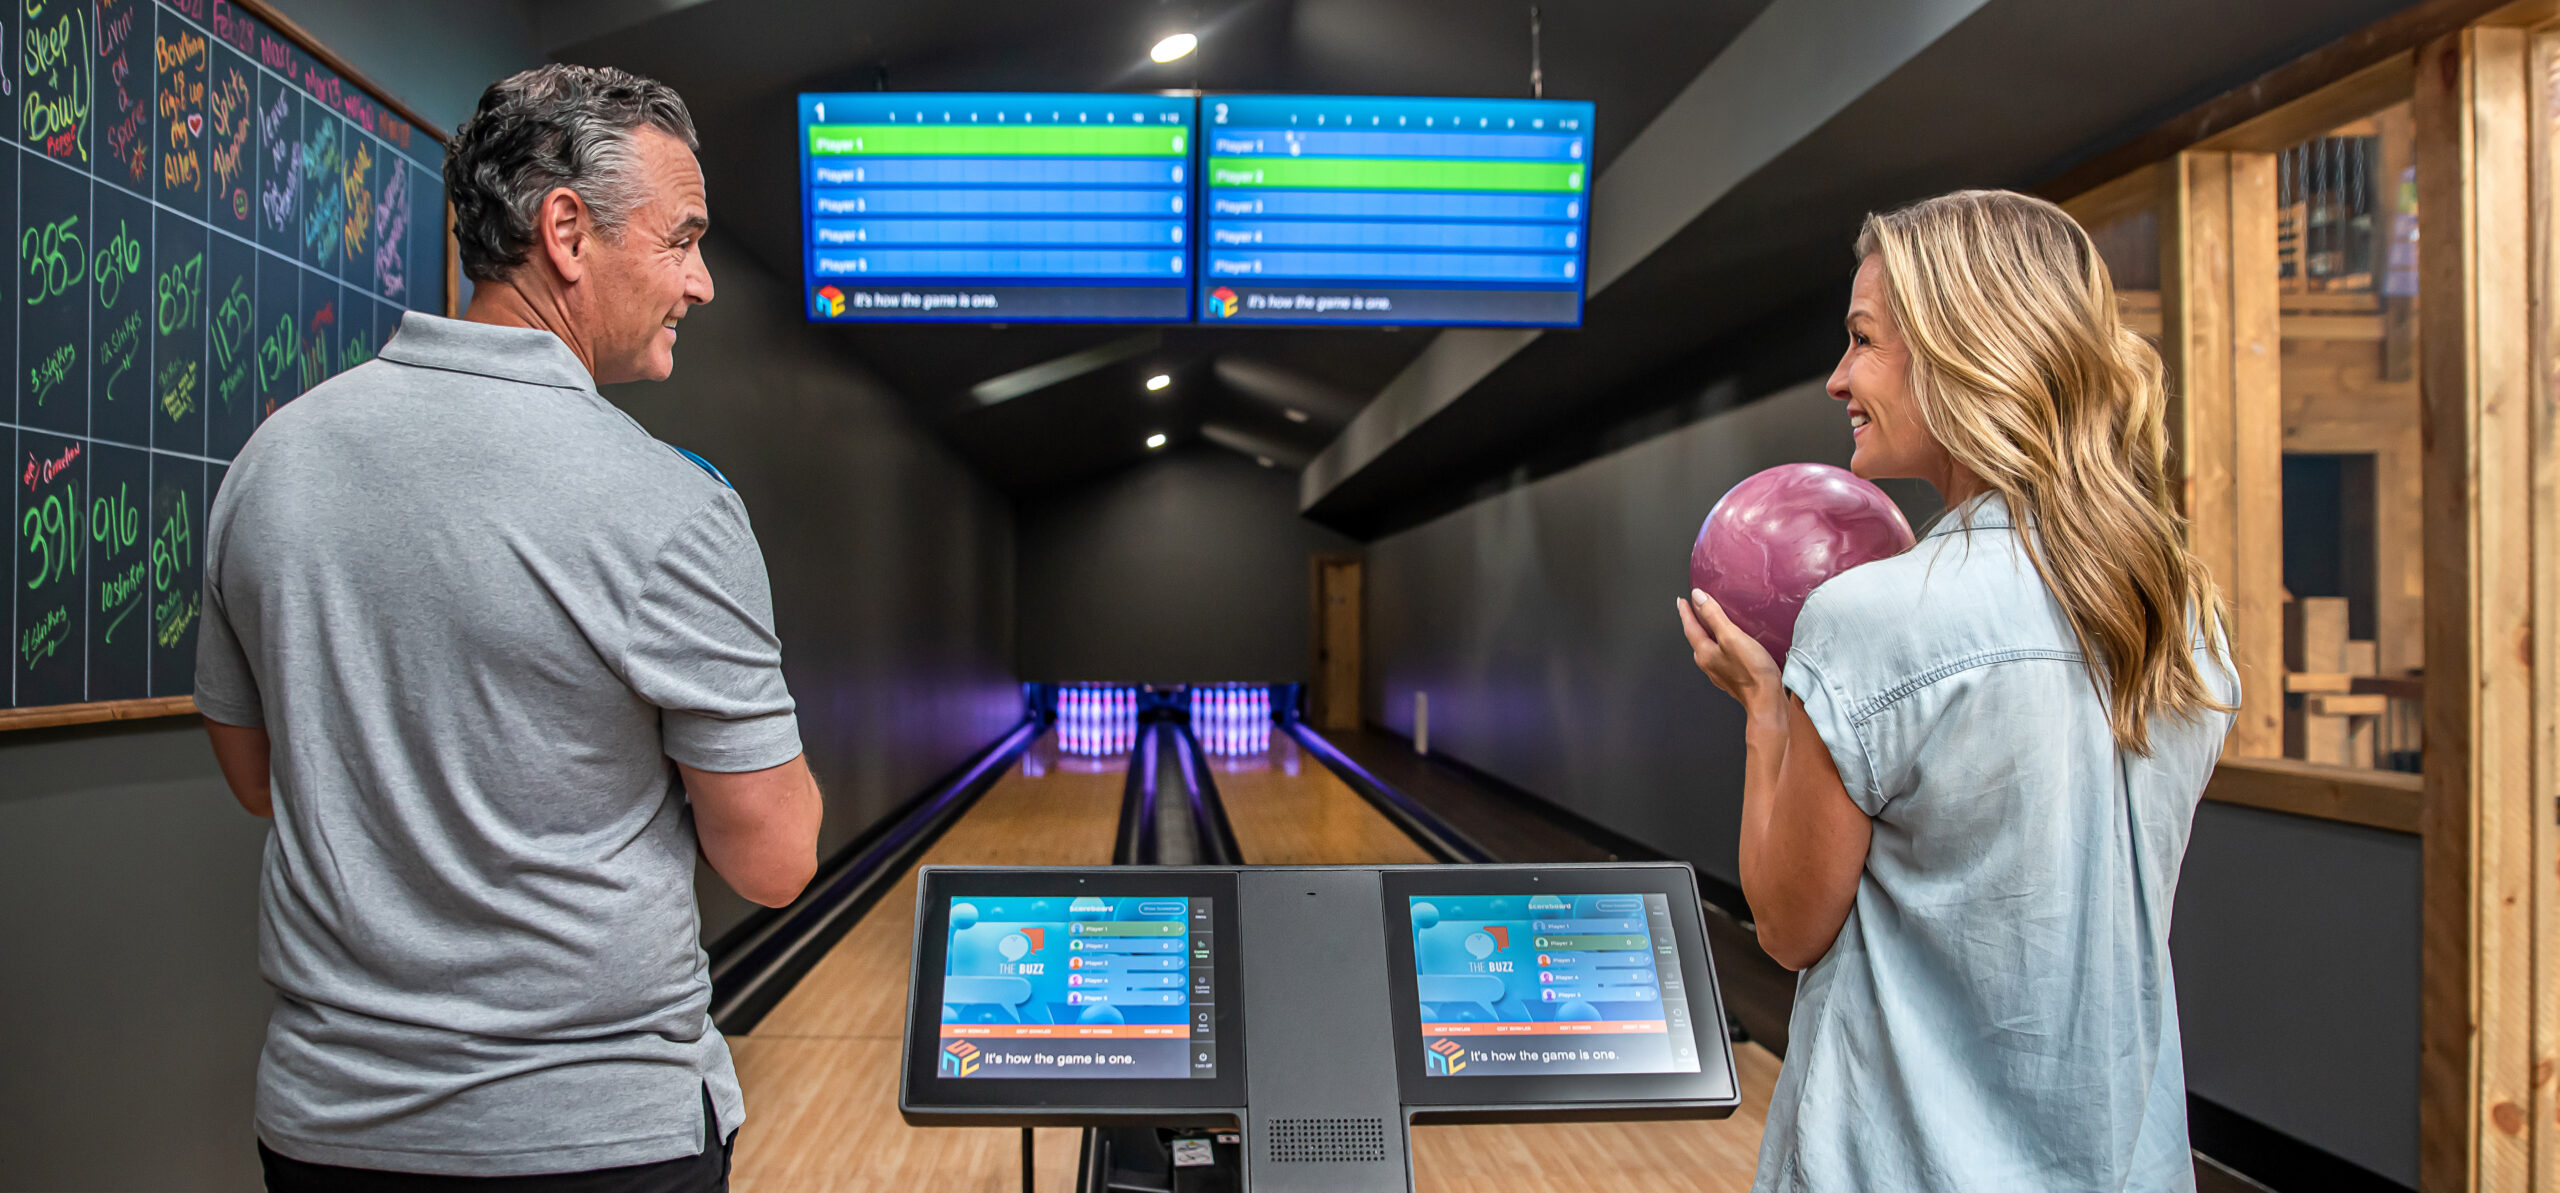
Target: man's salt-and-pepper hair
{"x":550,"y":127}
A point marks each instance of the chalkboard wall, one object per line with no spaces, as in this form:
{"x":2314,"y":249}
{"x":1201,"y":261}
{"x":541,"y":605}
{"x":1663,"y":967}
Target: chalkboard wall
{"x":209,"y":221}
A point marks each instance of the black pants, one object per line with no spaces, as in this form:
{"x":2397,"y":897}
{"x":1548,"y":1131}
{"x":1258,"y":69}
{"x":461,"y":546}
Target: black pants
{"x":705,"y":1173}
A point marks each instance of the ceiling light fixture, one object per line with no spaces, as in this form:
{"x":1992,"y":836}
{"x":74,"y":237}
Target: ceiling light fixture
{"x":1155,"y":441}
{"x":1159,"y":381}
{"x":1265,"y":461}
{"x":1174,"y":47}
{"x":1296,"y":416}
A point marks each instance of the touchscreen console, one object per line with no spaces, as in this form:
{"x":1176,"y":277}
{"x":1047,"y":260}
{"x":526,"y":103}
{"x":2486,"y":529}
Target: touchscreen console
{"x":1055,"y":984}
{"x":1340,"y":1000}
{"x":1523,"y":985}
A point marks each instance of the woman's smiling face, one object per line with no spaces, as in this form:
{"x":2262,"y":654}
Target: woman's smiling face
{"x":1874,"y":378}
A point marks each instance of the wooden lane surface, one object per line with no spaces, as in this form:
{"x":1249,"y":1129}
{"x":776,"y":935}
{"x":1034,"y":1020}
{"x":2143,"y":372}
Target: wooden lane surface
{"x":821,"y":1071}
{"x":1311,"y":818}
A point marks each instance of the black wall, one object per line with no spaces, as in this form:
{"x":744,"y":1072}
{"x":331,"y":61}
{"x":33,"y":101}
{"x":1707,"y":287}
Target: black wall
{"x":1189,"y":567}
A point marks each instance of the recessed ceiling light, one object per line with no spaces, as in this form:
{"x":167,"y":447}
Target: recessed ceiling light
{"x":1174,"y":47}
{"x":1159,"y":381}
{"x":1155,"y":441}
{"x":1265,"y":461}
{"x":1296,"y":416}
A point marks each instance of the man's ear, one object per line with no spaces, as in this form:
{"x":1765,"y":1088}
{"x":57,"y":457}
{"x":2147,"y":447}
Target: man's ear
{"x":560,"y":228}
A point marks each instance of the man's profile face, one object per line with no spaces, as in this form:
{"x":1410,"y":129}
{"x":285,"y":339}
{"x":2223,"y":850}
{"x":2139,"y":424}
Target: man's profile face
{"x":647,"y":279}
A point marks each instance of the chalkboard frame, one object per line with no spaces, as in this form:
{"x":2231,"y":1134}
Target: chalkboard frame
{"x":90,"y":712}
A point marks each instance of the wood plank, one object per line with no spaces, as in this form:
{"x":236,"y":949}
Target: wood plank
{"x":2373,"y":798}
{"x":2543,"y":503}
{"x":2319,"y":681}
{"x":1621,"y":1157}
{"x":2394,"y":36}
{"x":2128,"y":194}
{"x":2346,"y":705}
{"x":2501,"y":192}
{"x":2478,"y":1073}
{"x":2257,"y":456}
{"x":2447,"y":1107}
{"x":46,"y":716}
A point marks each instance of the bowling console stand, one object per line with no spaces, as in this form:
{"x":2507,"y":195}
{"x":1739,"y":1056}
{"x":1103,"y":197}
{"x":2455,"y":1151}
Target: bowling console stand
{"x":1321,"y":1009}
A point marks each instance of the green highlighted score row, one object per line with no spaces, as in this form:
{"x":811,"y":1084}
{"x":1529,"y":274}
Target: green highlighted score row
{"x":1128,"y":928}
{"x":996,"y":140}
{"x":1394,"y":174}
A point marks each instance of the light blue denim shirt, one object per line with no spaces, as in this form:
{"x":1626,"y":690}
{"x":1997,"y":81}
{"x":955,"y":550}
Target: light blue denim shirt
{"x":1997,"y":1012}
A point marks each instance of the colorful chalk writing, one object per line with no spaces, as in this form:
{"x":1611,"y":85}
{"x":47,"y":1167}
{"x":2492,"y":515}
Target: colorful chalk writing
{"x":178,"y":388}
{"x":55,"y":69}
{"x":391,"y":244}
{"x":315,"y":361}
{"x":280,"y":354}
{"x":119,"y":352}
{"x":323,"y":219}
{"x":115,"y":525}
{"x":229,"y":105}
{"x":210,"y":221}
{"x":232,"y":318}
{"x":125,"y":90}
{"x":119,"y":258}
{"x":50,"y":531}
{"x":277,"y":186}
{"x":181,"y":291}
{"x":48,"y":374}
{"x":56,"y":259}
{"x":173,"y":550}
{"x":181,"y":108}
{"x":359,"y":197}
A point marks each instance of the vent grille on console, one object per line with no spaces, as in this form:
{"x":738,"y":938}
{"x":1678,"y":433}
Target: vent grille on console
{"x":1325,"y":1140}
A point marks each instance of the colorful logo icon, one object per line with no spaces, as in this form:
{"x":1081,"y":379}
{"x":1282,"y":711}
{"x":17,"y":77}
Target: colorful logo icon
{"x":959,"y":1059}
{"x":830,"y":301}
{"x":1222,"y":303}
{"x":1444,"y":1057}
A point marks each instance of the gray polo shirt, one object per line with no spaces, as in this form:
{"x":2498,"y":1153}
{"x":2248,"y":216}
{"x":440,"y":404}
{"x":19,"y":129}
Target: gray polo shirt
{"x":478,"y":609}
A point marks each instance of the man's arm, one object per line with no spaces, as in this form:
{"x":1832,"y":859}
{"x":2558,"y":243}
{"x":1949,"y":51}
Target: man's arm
{"x":759,"y":828}
{"x":241,"y":752}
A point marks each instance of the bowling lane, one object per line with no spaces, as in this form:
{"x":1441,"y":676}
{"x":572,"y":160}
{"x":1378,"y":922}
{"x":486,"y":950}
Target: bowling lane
{"x":821,"y":1071}
{"x":1289,"y":810}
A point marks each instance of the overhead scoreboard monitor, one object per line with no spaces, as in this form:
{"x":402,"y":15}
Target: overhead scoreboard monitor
{"x":997,"y":207}
{"x":1330,"y":209}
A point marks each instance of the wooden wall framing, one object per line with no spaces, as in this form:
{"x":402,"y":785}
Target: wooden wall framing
{"x":2219,"y":335}
{"x":2487,"y":1058}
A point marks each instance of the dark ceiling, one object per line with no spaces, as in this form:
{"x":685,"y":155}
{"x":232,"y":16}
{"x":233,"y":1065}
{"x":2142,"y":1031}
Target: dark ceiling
{"x":739,"y":63}
{"x":2012,"y":96}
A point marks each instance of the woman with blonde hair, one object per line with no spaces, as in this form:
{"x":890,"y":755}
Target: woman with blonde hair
{"x":1967,"y":793}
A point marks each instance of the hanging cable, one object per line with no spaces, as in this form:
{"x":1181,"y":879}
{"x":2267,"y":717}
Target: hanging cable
{"x":1537,"y":68}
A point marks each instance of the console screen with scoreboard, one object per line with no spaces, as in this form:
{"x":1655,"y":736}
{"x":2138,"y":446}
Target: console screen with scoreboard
{"x":996,"y":208}
{"x":1412,"y":212}
{"x":1546,"y":984}
{"x":1075,"y":987}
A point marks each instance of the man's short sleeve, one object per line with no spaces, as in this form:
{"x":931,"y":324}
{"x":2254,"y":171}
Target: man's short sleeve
{"x":703,"y":649}
{"x":226,"y":690}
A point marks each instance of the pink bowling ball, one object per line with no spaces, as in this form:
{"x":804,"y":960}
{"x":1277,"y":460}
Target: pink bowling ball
{"x":1779,"y":534}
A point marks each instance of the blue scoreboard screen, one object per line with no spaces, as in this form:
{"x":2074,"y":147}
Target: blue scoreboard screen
{"x":997,"y":207}
{"x":1325,"y":209}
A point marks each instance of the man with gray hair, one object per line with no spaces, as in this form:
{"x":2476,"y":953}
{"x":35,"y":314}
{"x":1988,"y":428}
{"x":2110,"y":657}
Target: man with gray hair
{"x":498,"y":664}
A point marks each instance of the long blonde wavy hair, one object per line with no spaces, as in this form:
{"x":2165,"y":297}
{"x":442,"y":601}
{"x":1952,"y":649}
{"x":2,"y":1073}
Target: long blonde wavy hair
{"x":2026,"y":374}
